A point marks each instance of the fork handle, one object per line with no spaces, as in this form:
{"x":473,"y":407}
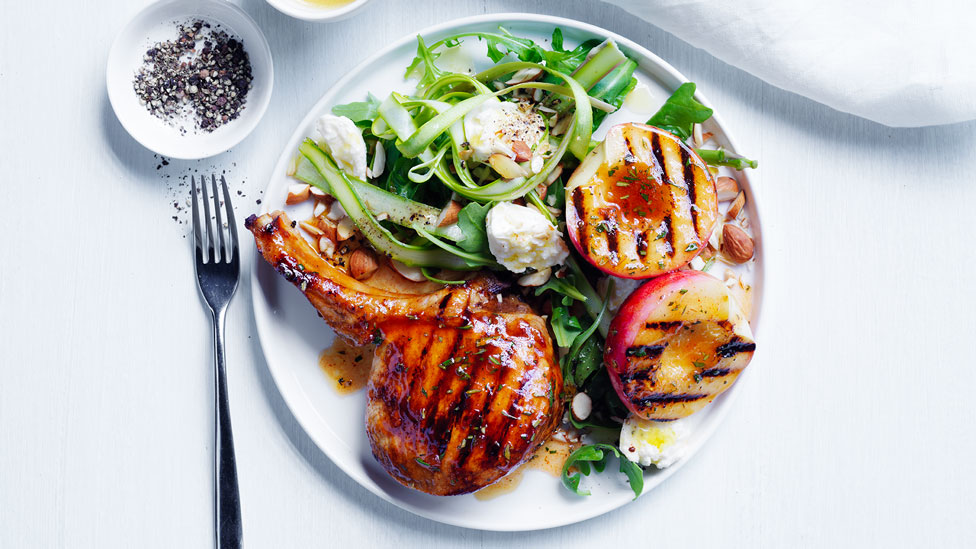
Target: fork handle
{"x":227,"y":506}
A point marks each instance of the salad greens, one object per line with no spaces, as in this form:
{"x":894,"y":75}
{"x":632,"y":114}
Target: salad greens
{"x":421,"y":158}
{"x":681,"y":112}
{"x":597,"y":456}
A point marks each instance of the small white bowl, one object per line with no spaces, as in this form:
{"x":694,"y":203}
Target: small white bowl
{"x":309,"y":12}
{"x":157,"y":23}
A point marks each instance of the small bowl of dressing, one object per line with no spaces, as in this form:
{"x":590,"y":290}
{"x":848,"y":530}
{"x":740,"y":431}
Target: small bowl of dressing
{"x":318,"y":10}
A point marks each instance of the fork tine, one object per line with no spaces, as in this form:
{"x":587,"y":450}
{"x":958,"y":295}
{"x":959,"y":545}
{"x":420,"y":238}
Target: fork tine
{"x":211,"y":251}
{"x":197,"y":235}
{"x":230,"y":218}
{"x":220,"y":220}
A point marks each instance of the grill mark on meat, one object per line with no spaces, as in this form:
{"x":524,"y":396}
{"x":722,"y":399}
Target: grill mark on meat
{"x":498,"y":430}
{"x":442,"y":414}
{"x":580,"y":217}
{"x":464,"y":452}
{"x":497,"y":372}
{"x":689,"y":176}
{"x":444,"y":302}
{"x":735,"y":346}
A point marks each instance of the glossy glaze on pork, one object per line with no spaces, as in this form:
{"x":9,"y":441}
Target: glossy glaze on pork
{"x":464,"y":385}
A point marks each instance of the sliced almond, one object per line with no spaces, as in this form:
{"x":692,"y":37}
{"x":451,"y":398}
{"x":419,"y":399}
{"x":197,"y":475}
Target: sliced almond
{"x":345,"y":229}
{"x":297,"y":193}
{"x":697,"y":135}
{"x":727,"y":188}
{"x":293,"y":167}
{"x":541,"y":190}
{"x":737,"y":245}
{"x":319,"y":209}
{"x":537,"y":95}
{"x":582,"y":406}
{"x":737,"y":204}
{"x":326,"y":246}
{"x":408,"y":272}
{"x":562,"y":126}
{"x":336,"y":212}
{"x":537,"y":278}
{"x":362,"y":264}
{"x":524,"y":75}
{"x":505,"y":166}
{"x":310,"y":229}
{"x":379,"y":161}
{"x":521,"y":150}
{"x":707,"y":252}
{"x":537,"y":163}
{"x":554,"y":174}
{"x":449,"y":214}
{"x":464,"y":154}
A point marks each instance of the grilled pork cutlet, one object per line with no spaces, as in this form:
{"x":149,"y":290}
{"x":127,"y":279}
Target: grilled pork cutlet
{"x":463,"y":386}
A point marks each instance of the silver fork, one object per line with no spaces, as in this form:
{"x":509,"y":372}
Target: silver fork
{"x":218,"y":269}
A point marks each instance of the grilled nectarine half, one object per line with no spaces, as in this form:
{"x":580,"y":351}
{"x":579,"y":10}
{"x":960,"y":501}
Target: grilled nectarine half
{"x":641,"y":203}
{"x":677,"y":342}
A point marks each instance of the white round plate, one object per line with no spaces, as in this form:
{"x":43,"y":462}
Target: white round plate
{"x":156,"y":23}
{"x":292,"y":335}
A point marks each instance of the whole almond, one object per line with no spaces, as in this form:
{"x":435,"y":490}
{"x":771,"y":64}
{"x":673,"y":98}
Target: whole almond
{"x":362,"y":264}
{"x":736,"y":207}
{"x":737,"y":245}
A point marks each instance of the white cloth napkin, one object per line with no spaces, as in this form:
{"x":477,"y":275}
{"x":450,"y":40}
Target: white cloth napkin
{"x":897,"y":62}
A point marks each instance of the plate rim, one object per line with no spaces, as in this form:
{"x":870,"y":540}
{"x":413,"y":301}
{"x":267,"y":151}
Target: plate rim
{"x":302,"y":413}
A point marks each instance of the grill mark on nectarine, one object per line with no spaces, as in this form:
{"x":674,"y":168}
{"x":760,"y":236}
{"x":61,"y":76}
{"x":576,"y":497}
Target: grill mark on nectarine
{"x":734,"y":347}
{"x":648,"y":351}
{"x":669,"y":398}
{"x":612,"y":241}
{"x":642,"y":244}
{"x":666,"y":326}
{"x":716,"y":372}
{"x":669,"y":235}
{"x":580,"y":217}
{"x":659,"y":157}
{"x":689,"y":177}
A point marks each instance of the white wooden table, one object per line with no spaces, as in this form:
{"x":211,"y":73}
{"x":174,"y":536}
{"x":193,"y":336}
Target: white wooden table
{"x":854,"y":429}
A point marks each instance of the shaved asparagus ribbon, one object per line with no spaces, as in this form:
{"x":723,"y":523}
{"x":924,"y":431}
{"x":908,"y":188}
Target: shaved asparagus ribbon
{"x":416,"y":142}
{"x":382,"y":239}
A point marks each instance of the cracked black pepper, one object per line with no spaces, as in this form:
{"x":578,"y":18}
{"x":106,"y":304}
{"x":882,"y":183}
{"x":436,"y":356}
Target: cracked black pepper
{"x":202,"y":77}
